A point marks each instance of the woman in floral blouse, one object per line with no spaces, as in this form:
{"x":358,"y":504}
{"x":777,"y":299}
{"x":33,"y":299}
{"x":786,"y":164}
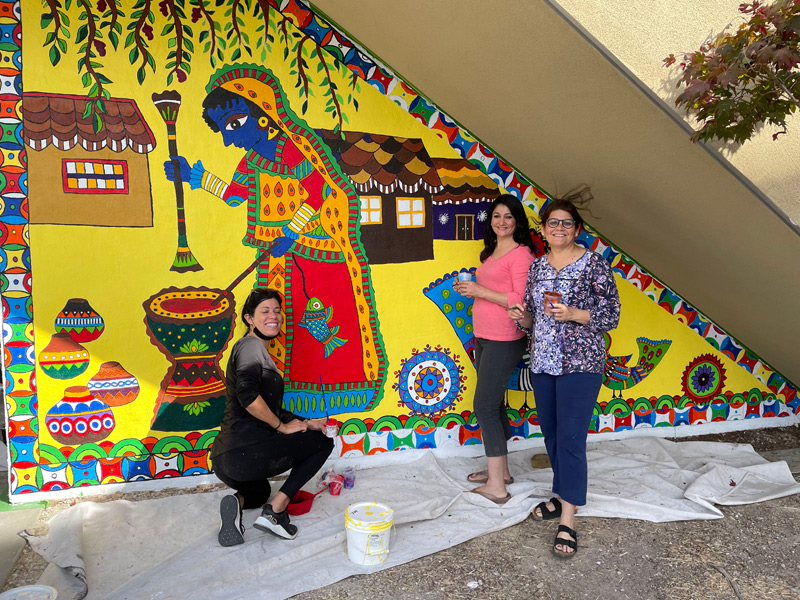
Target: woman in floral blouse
{"x":567,"y":355}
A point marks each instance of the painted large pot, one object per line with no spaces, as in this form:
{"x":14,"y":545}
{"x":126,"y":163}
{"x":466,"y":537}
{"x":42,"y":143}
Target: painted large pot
{"x":192,"y":333}
{"x":114,"y":385}
{"x":63,"y":358}
{"x":79,"y":418}
{"x":80,"y":321}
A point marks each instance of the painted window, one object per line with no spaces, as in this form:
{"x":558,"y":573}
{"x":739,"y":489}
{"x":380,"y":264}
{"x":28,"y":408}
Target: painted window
{"x":94,"y":177}
{"x":410,"y":212}
{"x":371,"y":210}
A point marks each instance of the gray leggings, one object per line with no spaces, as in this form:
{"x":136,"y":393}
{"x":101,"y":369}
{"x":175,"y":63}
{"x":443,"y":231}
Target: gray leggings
{"x":494,"y":362}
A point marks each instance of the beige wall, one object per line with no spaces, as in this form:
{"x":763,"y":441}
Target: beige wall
{"x":640,"y":33}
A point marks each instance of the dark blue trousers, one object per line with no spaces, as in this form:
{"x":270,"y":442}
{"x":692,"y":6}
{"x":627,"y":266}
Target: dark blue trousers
{"x":564,"y":405}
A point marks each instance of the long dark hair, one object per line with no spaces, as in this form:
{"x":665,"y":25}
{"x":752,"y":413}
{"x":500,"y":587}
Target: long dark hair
{"x":575,"y":199}
{"x":522,"y":234}
{"x":256,"y":297}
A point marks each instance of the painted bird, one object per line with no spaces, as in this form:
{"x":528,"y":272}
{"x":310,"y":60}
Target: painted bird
{"x":316,"y":319}
{"x":618,"y":376}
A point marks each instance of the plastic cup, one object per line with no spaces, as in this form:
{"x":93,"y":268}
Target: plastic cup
{"x":551,"y":298}
{"x":465,"y":276}
{"x":349,"y":477}
{"x":337,"y":482}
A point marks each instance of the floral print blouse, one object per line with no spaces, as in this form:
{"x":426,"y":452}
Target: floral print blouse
{"x":560,"y":347}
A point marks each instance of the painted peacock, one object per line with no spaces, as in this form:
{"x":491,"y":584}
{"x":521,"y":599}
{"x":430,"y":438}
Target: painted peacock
{"x":618,"y":376}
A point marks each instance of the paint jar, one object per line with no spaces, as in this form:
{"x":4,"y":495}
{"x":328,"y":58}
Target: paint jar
{"x":349,"y":477}
{"x":369,"y":528}
{"x":465,"y":276}
{"x":331,"y":428}
{"x":337,"y":482}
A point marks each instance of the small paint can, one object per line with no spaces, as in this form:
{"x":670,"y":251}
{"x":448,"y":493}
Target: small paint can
{"x":331,"y":428}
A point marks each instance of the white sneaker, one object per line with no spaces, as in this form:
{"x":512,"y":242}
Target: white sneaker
{"x":231,"y":531}
{"x":276,"y":523}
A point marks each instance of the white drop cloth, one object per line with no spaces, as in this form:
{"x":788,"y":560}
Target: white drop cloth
{"x":167,"y":548}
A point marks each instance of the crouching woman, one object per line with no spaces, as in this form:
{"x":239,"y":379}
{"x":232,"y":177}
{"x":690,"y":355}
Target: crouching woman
{"x":258,"y":438}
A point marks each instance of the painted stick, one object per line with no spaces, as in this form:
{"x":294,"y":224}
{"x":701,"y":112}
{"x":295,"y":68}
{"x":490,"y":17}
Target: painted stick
{"x":261,"y":256}
{"x":168,"y":104}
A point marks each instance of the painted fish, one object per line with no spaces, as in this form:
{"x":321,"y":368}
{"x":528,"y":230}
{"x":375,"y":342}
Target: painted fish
{"x":316,"y":319}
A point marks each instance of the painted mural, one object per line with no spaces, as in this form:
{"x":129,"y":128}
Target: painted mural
{"x":166,"y":157}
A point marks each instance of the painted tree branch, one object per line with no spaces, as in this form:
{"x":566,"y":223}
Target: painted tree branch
{"x":212,"y":32}
{"x":178,"y":66}
{"x":91,"y":35}
{"x":60,"y":21}
{"x":337,"y":113}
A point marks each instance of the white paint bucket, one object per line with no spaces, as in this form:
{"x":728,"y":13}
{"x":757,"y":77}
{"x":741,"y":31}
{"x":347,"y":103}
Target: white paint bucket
{"x":369,"y":529}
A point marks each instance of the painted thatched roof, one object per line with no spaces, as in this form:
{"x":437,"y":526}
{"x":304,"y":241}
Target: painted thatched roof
{"x":57,"y":119}
{"x":463,"y":182}
{"x":383,"y":163}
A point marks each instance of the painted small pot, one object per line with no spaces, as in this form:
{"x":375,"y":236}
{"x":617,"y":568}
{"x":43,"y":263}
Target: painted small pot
{"x":79,"y":418}
{"x":63,"y":358}
{"x":114,"y":385}
{"x":80,"y":321}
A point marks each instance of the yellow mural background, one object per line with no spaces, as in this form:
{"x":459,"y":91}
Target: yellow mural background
{"x":116,"y":269}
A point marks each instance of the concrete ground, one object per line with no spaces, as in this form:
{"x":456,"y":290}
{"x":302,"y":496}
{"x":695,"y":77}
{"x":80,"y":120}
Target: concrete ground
{"x":752,"y":553}
{"x":12,"y":520}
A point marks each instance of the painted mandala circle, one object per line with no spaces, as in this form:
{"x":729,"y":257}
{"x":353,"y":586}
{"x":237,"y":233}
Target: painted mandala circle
{"x":429,"y":382}
{"x":704,"y":378}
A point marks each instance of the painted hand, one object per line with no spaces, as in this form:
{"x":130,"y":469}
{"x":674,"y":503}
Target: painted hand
{"x":281,"y":247}
{"x":185,"y":169}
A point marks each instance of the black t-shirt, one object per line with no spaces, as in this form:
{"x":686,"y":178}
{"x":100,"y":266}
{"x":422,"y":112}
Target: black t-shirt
{"x":250,"y":373}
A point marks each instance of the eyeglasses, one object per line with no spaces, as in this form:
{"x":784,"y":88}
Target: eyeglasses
{"x":565,"y":223}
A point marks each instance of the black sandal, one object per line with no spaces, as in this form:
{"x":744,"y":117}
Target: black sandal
{"x":547,"y":514}
{"x":573,"y":543}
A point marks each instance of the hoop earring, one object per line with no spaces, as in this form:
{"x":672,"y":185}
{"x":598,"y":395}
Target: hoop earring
{"x":263,"y":123}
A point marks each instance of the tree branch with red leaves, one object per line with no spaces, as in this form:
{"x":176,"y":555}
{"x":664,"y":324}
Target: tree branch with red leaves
{"x":742,"y":80}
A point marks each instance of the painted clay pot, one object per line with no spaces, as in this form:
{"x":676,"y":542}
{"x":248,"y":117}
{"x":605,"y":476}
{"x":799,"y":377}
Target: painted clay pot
{"x":80,"y":321}
{"x":192,"y":329}
{"x":78,"y":418}
{"x":63,"y":358}
{"x":114,"y":385}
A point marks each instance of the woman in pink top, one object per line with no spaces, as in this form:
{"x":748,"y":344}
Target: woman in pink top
{"x":499,"y":344}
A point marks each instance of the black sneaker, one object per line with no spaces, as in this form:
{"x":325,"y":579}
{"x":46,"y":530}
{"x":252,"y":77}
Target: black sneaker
{"x":276,"y":523}
{"x":231,"y":531}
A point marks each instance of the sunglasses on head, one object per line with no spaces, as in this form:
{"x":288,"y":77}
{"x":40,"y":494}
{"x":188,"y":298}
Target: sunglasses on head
{"x":566,"y":223}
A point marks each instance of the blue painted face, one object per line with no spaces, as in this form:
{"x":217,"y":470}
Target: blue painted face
{"x":239,"y":128}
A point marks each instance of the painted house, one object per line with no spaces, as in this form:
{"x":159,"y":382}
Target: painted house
{"x":461,"y":208}
{"x":395,"y":180}
{"x":84,"y":177}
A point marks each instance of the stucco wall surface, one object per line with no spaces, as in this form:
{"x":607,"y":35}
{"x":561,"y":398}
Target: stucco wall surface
{"x":640,"y":33}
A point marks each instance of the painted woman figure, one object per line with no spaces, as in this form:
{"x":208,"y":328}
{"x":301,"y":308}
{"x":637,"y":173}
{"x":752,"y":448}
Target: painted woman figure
{"x":298,"y":198}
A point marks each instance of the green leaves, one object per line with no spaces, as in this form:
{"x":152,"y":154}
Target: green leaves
{"x":741,"y":80}
{"x":222,"y":31}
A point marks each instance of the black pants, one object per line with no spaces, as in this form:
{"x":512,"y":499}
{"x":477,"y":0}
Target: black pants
{"x":247,"y":470}
{"x":494,"y":361}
